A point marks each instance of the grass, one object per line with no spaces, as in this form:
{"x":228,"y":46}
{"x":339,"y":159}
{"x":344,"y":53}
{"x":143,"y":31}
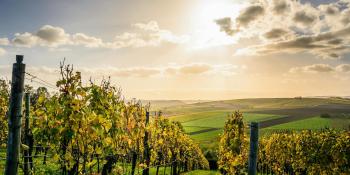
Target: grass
{"x":216,"y":119}
{"x":253,"y":104}
{"x":207,"y":136}
{"x":202,"y":172}
{"x":311,"y":123}
{"x":192,"y":116}
{"x":200,"y":121}
{"x":189,"y":129}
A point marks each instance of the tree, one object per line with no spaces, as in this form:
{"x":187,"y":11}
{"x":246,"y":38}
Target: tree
{"x":233,"y":152}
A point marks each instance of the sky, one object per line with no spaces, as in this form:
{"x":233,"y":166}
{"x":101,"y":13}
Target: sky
{"x":185,"y":49}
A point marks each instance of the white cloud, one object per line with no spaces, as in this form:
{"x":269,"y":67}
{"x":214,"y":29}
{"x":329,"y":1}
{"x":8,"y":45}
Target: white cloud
{"x":87,"y":41}
{"x":315,"y":68}
{"x":343,"y":68}
{"x":321,"y":68}
{"x":4,"y":41}
{"x":144,"y":35}
{"x":191,"y":69}
{"x":195,"y":69}
{"x":25,"y":39}
{"x":2,"y":51}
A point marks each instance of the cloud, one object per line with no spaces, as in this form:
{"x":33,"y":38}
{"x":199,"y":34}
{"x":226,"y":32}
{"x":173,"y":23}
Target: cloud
{"x":195,"y":69}
{"x":225,"y":25}
{"x":87,"y":41}
{"x":325,"y":45}
{"x":343,"y":68}
{"x":25,"y":39}
{"x":321,"y":68}
{"x":191,"y":69}
{"x":4,"y":41}
{"x":280,"y":6}
{"x":150,"y":26}
{"x":2,"y":51}
{"x":281,"y":26}
{"x":315,"y":68}
{"x":122,"y":72}
{"x":203,"y":68}
{"x":250,"y":14}
{"x":245,"y":17}
{"x":304,"y":18}
{"x":53,"y":35}
{"x":329,"y":9}
{"x":275,"y":33}
{"x":144,"y":35}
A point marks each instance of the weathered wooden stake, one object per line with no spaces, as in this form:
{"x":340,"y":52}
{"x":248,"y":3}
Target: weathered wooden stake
{"x":14,"y":117}
{"x":146,"y":153}
{"x":26,"y":135}
{"x":253,"y":153}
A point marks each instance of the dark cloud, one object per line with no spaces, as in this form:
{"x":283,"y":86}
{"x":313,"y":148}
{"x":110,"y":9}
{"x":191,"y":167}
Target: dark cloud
{"x":332,"y":10}
{"x":275,"y":33}
{"x":298,"y":43}
{"x":333,"y":55}
{"x":250,"y":14}
{"x":280,"y":6}
{"x":335,"y":41}
{"x":304,"y":18}
{"x":326,"y":45}
{"x":52,"y":34}
{"x":226,"y":25}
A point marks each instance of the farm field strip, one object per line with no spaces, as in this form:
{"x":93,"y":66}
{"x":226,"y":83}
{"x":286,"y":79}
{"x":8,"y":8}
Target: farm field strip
{"x":315,"y":122}
{"x":217,"y":120}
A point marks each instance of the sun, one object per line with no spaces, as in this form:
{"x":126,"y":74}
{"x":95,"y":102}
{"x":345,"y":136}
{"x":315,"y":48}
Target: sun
{"x":206,"y":33}
{"x":214,"y":9}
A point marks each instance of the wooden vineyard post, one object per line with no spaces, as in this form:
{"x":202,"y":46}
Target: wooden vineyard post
{"x":146,"y":146}
{"x":253,"y":152}
{"x":14,"y":117}
{"x":27,"y":165}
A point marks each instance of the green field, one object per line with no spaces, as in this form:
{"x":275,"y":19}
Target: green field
{"x":218,"y":120}
{"x":204,"y":121}
{"x":311,"y":123}
{"x":202,"y":172}
{"x":252,"y":104}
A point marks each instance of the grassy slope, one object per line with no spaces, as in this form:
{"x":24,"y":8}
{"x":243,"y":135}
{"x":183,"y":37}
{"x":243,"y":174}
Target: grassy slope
{"x":204,"y":115}
{"x":311,"y":123}
{"x":218,"y":120}
{"x":253,"y":104}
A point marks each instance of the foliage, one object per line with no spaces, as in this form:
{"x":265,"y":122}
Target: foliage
{"x":233,"y":153}
{"x":88,"y":126}
{"x":306,"y":152}
{"x":4,"y":100}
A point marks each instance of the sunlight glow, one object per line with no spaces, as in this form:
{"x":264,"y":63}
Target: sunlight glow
{"x":205,"y":32}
